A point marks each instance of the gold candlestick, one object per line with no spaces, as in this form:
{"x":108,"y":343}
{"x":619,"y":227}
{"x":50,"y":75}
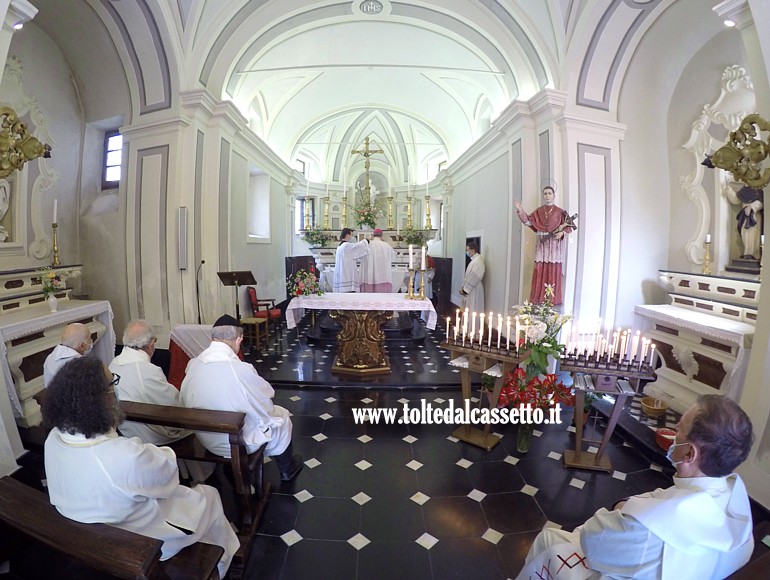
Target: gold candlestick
{"x":344,"y":211}
{"x":327,"y":202}
{"x":410,"y":290}
{"x":306,"y":211}
{"x":409,"y":212}
{"x":422,"y":285}
{"x":391,"y":225}
{"x":428,"y":225}
{"x":707,"y":258}
{"x":55,"y":246}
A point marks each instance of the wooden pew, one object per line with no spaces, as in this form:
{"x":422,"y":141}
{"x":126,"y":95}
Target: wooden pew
{"x":247,"y":469}
{"x":103,"y":547}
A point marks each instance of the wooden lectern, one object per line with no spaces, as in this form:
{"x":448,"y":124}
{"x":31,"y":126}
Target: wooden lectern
{"x":237,"y":278}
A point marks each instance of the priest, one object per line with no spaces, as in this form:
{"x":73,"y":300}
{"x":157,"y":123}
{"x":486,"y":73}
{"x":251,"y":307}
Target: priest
{"x":345,"y":271}
{"x":472,"y":289}
{"x":699,"y":528}
{"x":377,"y":265}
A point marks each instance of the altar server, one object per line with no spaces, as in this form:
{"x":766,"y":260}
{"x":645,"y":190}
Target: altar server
{"x":697,"y":529}
{"x":96,"y":476}
{"x":346,"y":278}
{"x":217,"y":379}
{"x":472,"y":289}
{"x":377,"y":265}
{"x":75,"y":342}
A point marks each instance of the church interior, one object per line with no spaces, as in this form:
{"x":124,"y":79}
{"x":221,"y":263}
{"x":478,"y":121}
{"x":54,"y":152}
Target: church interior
{"x":191,"y":156}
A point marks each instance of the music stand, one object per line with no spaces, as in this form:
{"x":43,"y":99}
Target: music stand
{"x":238,"y":278}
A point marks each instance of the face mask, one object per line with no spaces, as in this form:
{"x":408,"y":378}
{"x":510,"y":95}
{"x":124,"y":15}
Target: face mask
{"x":671,"y":451}
{"x":468,"y":254}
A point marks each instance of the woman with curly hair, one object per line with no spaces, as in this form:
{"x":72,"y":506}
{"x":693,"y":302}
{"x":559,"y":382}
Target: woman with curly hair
{"x":95,"y":475}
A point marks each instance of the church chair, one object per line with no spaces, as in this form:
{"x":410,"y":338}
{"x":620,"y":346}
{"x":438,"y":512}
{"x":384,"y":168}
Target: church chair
{"x":265,"y":308}
{"x":254,"y":331}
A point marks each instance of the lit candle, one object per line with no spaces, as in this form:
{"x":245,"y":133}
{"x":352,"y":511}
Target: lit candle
{"x":490,"y":322}
{"x":622,"y":351}
{"x":762,"y":239}
{"x":457,"y":319}
{"x":615,"y":339}
{"x":327,"y":190}
{"x":635,"y":344}
{"x":652,"y":355}
{"x":508,"y":333}
{"x":645,"y":346}
{"x":447,"y":327}
{"x":499,"y":329}
{"x":473,"y":326}
{"x":518,"y":330}
{"x":465,"y":319}
{"x":422,"y":260}
{"x":481,"y":328}
{"x":411,"y":257}
{"x":55,"y":210}
{"x":708,"y":238}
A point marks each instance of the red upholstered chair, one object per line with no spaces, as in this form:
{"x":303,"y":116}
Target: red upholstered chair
{"x":265,"y":309}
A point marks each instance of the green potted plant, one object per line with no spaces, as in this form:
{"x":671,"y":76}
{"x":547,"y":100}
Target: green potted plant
{"x":414,"y":236}
{"x":315,"y":236}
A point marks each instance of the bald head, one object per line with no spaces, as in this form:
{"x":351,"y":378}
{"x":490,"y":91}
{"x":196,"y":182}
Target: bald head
{"x":77,"y":337}
{"x":139,"y":335}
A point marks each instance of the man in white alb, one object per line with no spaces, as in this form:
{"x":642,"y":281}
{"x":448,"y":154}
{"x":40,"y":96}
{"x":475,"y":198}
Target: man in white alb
{"x":472,"y":289}
{"x":700,"y":528}
{"x":377,"y":266}
{"x":75,"y":342}
{"x":346,"y":278}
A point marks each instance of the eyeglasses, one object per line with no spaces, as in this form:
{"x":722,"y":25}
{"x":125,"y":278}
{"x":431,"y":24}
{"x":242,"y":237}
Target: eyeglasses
{"x":115,"y":380}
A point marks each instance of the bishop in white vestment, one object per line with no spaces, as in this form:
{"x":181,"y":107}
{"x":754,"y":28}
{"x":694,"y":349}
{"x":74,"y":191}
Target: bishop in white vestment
{"x":346,"y":277}
{"x":377,"y":265}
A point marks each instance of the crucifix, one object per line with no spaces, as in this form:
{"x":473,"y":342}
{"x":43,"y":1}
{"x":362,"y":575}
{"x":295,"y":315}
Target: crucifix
{"x":367,"y":154}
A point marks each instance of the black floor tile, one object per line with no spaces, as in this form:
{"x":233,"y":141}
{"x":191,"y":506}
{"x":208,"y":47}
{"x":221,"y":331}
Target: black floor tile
{"x":403,"y":560}
{"x":473,"y":559}
{"x":268,"y":555}
{"x":320,"y":560}
{"x":316,"y":514}
{"x":495,"y":477}
{"x":388,"y":452}
{"x":454,"y":517}
{"x":280,"y":515}
{"x":513,"y":549}
{"x":451,"y":481}
{"x":512,"y":513}
{"x":385,"y":520}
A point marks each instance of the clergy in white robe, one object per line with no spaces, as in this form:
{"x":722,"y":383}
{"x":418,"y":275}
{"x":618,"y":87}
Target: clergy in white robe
{"x":472,"y":289}
{"x":143,"y":382}
{"x":95,"y":475}
{"x":217,"y":379}
{"x":346,"y":277}
{"x":700,"y":528}
{"x":377,"y":265}
{"x":75,"y":342}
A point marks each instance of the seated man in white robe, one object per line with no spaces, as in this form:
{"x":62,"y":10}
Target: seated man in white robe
{"x":217,"y":379}
{"x":345,"y":271}
{"x":75,"y":342}
{"x":699,"y":528}
{"x":377,"y":265}
{"x":143,"y":382}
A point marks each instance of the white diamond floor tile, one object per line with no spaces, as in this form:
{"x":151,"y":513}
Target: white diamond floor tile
{"x":330,"y":399}
{"x":529,"y":489}
{"x":291,"y":537}
{"x":512,"y":460}
{"x":409,"y":439}
{"x":312,"y":463}
{"x":554,"y":455}
{"x":295,"y":398}
{"x":492,"y":536}
{"x":578,"y":483}
{"x":325,"y":416}
{"x":361,"y":498}
{"x":364,"y":438}
{"x":363,"y":465}
{"x":537,"y":433}
{"x":359,"y":541}
{"x":319,"y":437}
{"x":303,"y":496}
{"x":464,"y":463}
{"x":593,"y":449}
{"x":571,"y":429}
{"x":367,"y":400}
{"x":403,"y":401}
{"x":414,"y":465}
{"x":453,"y":439}
{"x":439,"y":400}
{"x":656,"y":467}
{"x":427,"y":541}
{"x":619,"y":475}
{"x":477,"y":495}
{"x":419,"y":498}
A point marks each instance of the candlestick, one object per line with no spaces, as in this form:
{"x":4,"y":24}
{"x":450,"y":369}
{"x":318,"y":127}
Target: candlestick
{"x":499,"y":329}
{"x":411,"y":258}
{"x":508,"y":333}
{"x":490,"y":322}
{"x":410,"y":290}
{"x":55,"y":211}
{"x":447,"y":327}
{"x":428,"y":224}
{"x":473,"y":325}
{"x":55,"y":245}
{"x":481,"y":328}
{"x":327,"y":203}
{"x":707,"y":256}
{"x":457,"y":318}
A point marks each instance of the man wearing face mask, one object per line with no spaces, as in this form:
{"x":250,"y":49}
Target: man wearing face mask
{"x":699,"y":528}
{"x":472,"y":289}
{"x":75,"y":341}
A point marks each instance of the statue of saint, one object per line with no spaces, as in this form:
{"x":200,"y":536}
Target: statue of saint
{"x":750,"y":221}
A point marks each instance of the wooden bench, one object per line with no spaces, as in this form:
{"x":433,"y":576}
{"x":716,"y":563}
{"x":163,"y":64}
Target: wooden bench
{"x":123,"y":554}
{"x":246,"y":468}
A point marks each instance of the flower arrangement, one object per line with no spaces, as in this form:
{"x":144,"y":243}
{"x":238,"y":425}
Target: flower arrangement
{"x":315,"y":236}
{"x":304,"y":283}
{"x":367,"y":212}
{"x":520,"y":388}
{"x":52,"y":282}
{"x":541,"y":324}
{"x":414,"y":236}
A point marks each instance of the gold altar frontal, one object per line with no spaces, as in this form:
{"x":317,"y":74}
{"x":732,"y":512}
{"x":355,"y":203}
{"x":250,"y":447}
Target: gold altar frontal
{"x":361,"y":342}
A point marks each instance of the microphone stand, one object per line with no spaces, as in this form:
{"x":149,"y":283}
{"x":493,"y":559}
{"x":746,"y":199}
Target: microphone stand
{"x":197,"y":292}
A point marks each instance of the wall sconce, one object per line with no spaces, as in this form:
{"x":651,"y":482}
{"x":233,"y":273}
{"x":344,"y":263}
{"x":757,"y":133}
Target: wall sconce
{"x":17,"y":146}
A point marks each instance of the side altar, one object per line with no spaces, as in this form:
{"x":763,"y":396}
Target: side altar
{"x":704,"y":336}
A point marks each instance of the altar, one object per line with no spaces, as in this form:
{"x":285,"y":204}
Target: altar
{"x":361,"y":342}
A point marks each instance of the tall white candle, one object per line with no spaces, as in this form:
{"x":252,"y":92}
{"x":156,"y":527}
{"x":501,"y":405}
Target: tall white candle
{"x":652,"y":355}
{"x":307,"y":188}
{"x":499,"y":329}
{"x":508,"y":333}
{"x":411,"y":258}
{"x":457,"y":319}
{"x":55,"y":210}
{"x":635,"y":344}
{"x":327,"y":190}
{"x":622,"y":351}
{"x":490,"y":322}
{"x":473,"y":325}
{"x":422,"y":260}
{"x":447,"y":327}
{"x":465,"y":318}
{"x":708,"y":238}
{"x":518,"y":330}
{"x":481,"y":328}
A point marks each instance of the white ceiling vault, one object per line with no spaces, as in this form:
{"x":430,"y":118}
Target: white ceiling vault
{"x":422,"y":79}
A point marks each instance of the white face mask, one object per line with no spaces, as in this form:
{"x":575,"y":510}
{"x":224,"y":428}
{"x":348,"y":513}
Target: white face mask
{"x":671,"y":451}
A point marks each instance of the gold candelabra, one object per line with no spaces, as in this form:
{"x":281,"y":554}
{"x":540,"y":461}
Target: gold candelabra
{"x":422,"y":285}
{"x":344,"y":211}
{"x":410,"y":290}
{"x":707,"y":258}
{"x":428,"y":225}
{"x":55,"y":246}
{"x":391,"y":225}
{"x":327,"y":202}
{"x":409,"y":212}
{"x":306,"y":211}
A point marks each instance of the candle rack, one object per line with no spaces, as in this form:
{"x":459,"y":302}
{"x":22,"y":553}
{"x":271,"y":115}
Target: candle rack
{"x":578,"y":362}
{"x":55,"y":246}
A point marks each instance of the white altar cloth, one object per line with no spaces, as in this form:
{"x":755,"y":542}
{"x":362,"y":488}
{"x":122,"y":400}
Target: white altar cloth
{"x":193,"y":339}
{"x":399,"y":278}
{"x":358,"y":301}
